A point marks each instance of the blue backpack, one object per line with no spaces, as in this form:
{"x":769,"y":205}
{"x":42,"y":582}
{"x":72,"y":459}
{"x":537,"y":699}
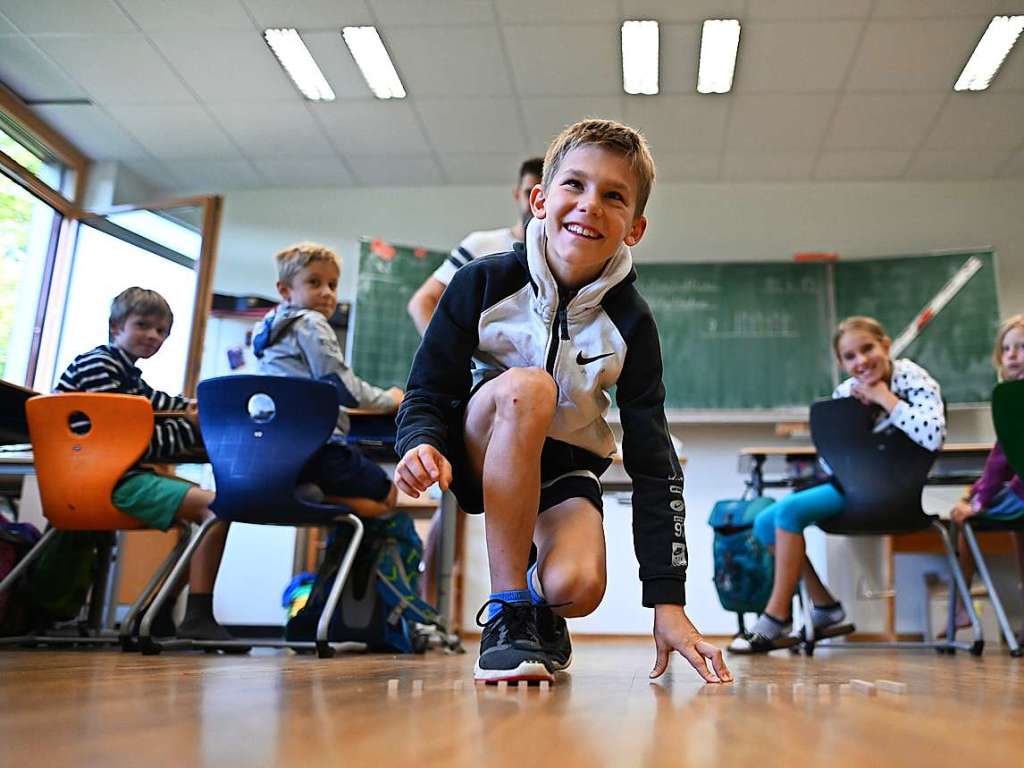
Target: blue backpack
{"x":744,"y":568}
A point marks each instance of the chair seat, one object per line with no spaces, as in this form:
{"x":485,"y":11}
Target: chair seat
{"x":984,"y":525}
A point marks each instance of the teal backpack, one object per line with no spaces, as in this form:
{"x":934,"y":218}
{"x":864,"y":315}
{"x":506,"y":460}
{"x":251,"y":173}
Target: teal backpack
{"x":744,"y":568}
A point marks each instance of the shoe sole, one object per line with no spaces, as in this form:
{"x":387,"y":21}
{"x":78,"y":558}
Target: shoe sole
{"x":555,"y":667}
{"x":837,"y":630}
{"x":780,"y":644}
{"x":527,"y":671}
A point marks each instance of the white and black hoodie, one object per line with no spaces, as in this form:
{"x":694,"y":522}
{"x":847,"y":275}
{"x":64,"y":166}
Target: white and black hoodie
{"x":507,"y":311}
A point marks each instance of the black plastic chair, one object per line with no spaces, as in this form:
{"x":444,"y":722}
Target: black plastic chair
{"x":1008,"y":419}
{"x":259,"y":432}
{"x":881,"y":475}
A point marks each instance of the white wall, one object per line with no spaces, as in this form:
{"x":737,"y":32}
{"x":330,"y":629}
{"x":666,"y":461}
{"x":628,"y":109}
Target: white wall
{"x":710,"y":222}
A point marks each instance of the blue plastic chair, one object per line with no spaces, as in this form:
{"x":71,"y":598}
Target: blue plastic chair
{"x":259,"y":432}
{"x":1008,"y":420}
{"x":882,"y":475}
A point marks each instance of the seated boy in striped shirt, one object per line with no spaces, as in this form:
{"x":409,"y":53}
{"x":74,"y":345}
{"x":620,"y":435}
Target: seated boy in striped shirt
{"x":140,"y":321}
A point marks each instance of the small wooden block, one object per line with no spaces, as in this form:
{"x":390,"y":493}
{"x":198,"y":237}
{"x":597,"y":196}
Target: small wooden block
{"x":457,"y":685}
{"x":772,"y":689}
{"x":862,"y":686}
{"x":798,"y":689}
{"x":844,"y":689}
{"x":891,"y":686}
{"x":824,"y":691}
{"x":417,"y":687}
{"x":545,"y":686}
{"x":502,"y":685}
{"x":393,"y":685}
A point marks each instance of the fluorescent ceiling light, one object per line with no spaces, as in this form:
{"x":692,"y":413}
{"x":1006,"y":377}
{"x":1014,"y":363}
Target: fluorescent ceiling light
{"x":299,"y":64}
{"x":640,"y":57}
{"x":992,"y":49}
{"x":372,"y":57}
{"x":719,"y":42}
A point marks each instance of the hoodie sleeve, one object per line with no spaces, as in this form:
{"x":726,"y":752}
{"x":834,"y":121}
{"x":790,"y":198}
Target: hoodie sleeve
{"x":659,"y":512}
{"x":440,"y":379}
{"x":319,"y":345}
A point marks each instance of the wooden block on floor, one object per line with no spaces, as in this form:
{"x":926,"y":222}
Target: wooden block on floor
{"x":891,"y":686}
{"x":862,"y":686}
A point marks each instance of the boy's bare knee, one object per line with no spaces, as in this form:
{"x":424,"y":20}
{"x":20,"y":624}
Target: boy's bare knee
{"x":526,"y":392}
{"x":579,"y":586}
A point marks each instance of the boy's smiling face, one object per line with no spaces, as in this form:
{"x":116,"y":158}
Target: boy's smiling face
{"x":314,"y":287}
{"x":588,"y":210}
{"x":141,"y":336}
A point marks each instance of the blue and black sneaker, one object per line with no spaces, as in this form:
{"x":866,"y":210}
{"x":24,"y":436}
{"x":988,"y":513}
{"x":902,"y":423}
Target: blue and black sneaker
{"x":554,"y":637}
{"x":510,"y":649}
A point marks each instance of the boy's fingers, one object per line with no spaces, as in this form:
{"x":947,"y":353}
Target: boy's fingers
{"x":427,"y":460}
{"x":661,"y":663}
{"x":698,"y":662}
{"x":403,"y":483}
{"x":418,"y":472}
{"x":446,"y":476}
{"x":714,"y":653}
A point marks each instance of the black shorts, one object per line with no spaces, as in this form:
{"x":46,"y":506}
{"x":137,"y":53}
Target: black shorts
{"x":566,"y":472}
{"x":342,"y":470}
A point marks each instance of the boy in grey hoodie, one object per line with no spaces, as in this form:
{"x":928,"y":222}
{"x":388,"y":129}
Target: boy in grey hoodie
{"x":295,"y":339}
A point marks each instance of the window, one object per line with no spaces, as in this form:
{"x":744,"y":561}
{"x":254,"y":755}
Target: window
{"x":31,"y":155}
{"x":27,"y":228}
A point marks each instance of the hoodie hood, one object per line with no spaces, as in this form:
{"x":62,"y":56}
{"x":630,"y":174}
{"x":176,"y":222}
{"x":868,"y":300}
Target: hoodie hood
{"x":274,"y":324}
{"x":617,"y":270}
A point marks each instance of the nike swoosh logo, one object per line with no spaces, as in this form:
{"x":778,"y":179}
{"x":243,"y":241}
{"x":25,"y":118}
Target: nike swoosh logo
{"x":581,"y":360}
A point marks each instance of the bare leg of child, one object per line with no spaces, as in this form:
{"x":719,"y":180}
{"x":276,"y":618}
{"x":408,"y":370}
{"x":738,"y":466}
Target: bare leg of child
{"x":816,"y":589}
{"x":367,"y":507}
{"x":199,"y":622}
{"x":571,"y":557}
{"x":789,"y":561}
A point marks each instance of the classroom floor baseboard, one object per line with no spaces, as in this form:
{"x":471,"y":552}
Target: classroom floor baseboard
{"x":273,"y":708}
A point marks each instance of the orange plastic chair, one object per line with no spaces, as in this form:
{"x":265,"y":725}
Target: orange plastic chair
{"x":77,"y":473}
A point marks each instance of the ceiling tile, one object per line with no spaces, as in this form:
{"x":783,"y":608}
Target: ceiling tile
{"x":188,"y":15}
{"x":490,"y":168}
{"x":117,"y":69}
{"x":795,"y":56}
{"x":230,"y":66}
{"x":152,"y":171}
{"x":925,"y":55}
{"x":883,"y":120}
{"x":91,"y":130}
{"x":679,"y":50}
{"x":779,"y":121}
{"x":305,"y":172}
{"x":372,"y":127}
{"x":861,"y":165}
{"x":979,"y":121}
{"x":175,"y":131}
{"x":546,"y":117}
{"x":272,"y":130}
{"x":450,"y":61}
{"x":309,"y":14}
{"x":418,"y":13}
{"x":395,"y":170}
{"x":459,"y":126}
{"x":971,"y":164}
{"x":31,"y":74}
{"x":1015,"y":167}
{"x":931,"y":9}
{"x":767,"y":166}
{"x":563,"y":11}
{"x":332,"y":56}
{"x":679,"y":123}
{"x":686,"y":166}
{"x":6,"y":28}
{"x":214,"y":175}
{"x":565,"y":60}
{"x":667,"y":11}
{"x":806,"y":10}
{"x":81,"y":17}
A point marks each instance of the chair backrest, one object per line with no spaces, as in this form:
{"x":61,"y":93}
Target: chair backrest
{"x":1008,"y":419}
{"x":259,"y":432}
{"x":881,"y":474}
{"x":77,"y":472}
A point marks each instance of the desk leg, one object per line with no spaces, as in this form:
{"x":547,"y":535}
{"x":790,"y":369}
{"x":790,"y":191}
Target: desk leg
{"x":446,"y":561}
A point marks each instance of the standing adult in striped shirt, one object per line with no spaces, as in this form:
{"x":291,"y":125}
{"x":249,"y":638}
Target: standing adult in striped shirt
{"x":140,"y":321}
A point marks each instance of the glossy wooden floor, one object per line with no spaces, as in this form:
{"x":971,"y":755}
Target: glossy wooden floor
{"x":104,"y":708}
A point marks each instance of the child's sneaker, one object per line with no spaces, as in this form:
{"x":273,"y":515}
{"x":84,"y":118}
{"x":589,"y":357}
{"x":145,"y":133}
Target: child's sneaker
{"x":767,"y":634}
{"x":554,"y":637}
{"x":510,"y":649}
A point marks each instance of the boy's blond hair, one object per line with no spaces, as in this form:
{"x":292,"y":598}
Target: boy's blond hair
{"x":295,"y":258}
{"x":1016,"y":321}
{"x":609,"y":135}
{"x":138,"y":301}
{"x":868,"y":325}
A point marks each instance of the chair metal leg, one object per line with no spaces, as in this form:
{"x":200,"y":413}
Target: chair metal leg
{"x":965,"y":592}
{"x":145,"y":596}
{"x":146,"y":642}
{"x":446,"y":556}
{"x":23,"y":564}
{"x":100,"y":583}
{"x":993,"y":595}
{"x":323,"y":647}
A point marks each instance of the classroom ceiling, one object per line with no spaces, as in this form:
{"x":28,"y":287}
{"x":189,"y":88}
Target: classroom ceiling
{"x":187,"y":95}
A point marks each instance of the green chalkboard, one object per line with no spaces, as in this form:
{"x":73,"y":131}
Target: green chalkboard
{"x":956,"y":346}
{"x":737,"y":336}
{"x":384,"y":340}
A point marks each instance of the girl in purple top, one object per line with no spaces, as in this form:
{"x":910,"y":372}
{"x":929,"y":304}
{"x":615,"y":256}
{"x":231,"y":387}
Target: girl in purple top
{"x":999,"y":493}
